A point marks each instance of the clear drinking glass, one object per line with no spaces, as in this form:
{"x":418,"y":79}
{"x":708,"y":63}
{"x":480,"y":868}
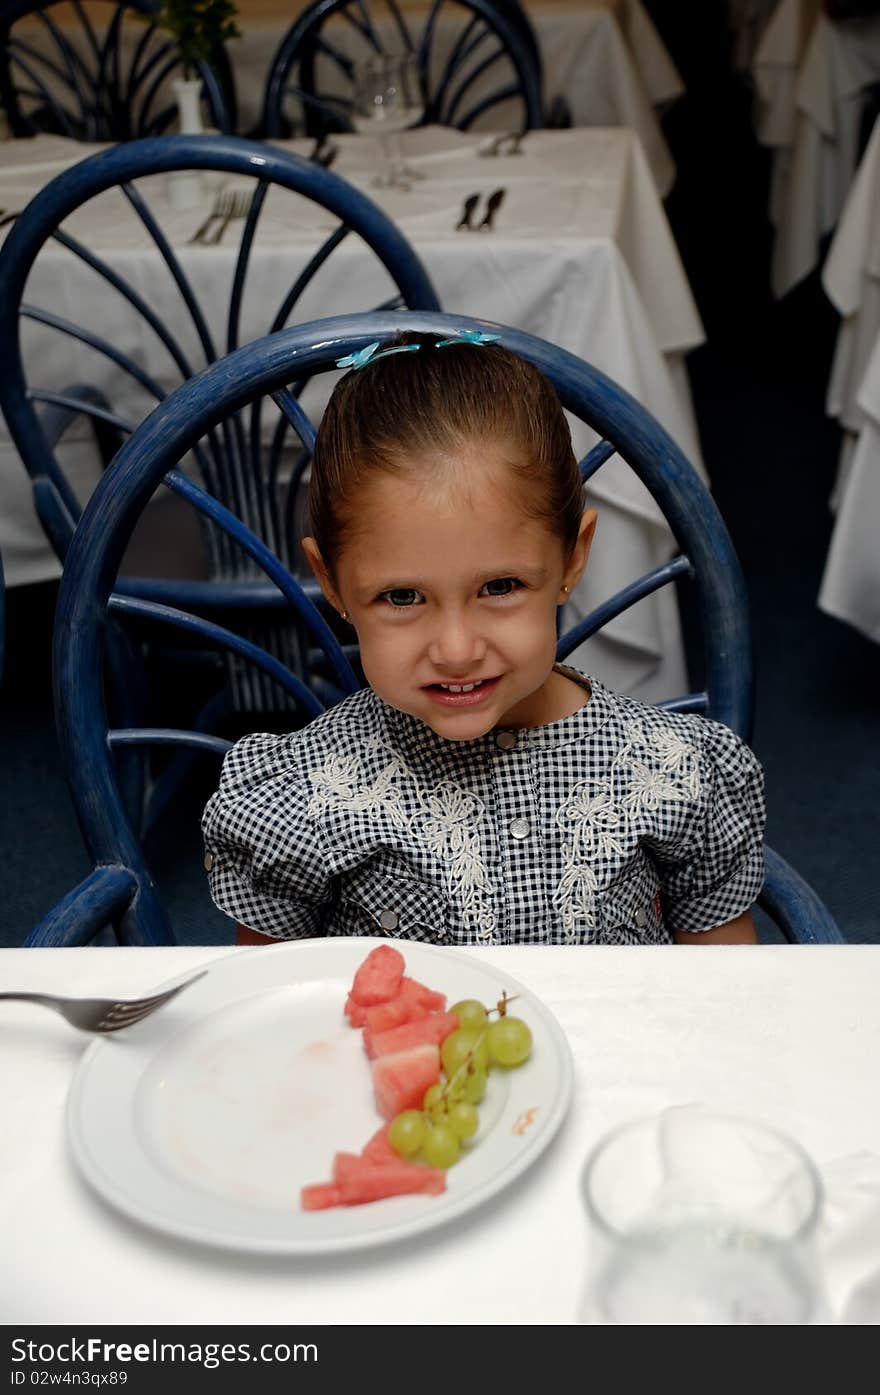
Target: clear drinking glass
{"x":387,"y":100}
{"x":697,"y":1218}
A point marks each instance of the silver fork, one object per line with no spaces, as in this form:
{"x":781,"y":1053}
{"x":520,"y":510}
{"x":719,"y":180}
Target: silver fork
{"x":103,"y":1014}
{"x":216,"y":212}
{"x":238,"y":204}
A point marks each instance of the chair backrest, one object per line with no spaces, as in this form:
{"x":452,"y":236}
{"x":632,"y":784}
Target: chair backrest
{"x":241,"y":466}
{"x":87,"y":602}
{"x":478,"y":62}
{"x":98,"y":72}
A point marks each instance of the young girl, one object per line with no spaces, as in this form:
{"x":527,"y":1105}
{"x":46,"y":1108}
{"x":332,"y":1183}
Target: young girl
{"x":476,"y":792}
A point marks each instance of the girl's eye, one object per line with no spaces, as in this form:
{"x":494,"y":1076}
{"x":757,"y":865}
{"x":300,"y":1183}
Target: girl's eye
{"x":401,"y":597}
{"x":501,"y":586}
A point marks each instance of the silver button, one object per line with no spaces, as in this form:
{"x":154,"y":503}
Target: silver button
{"x":505,"y":740}
{"x":641,"y":918}
{"x":389,"y":920}
{"x":520,"y":828}
{"x":209,"y":861}
{"x":441,"y":933}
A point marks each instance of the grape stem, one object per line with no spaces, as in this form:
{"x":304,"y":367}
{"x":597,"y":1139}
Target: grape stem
{"x":502,"y":1004}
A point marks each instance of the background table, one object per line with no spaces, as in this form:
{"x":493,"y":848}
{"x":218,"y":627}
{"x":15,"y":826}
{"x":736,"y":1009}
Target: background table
{"x":788,"y":1036}
{"x":604,"y":57}
{"x":812,"y":77}
{"x":582,"y":255}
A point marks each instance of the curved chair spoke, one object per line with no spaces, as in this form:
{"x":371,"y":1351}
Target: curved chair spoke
{"x":621,"y":601}
{"x":690,"y":702}
{"x":136,"y":300}
{"x":453,"y":115}
{"x":298,"y":419}
{"x":79,"y":404}
{"x":84,"y":85}
{"x":595,"y":459}
{"x":121,"y":737}
{"x":224,"y":639}
{"x":100,"y":345}
{"x":269,"y":564}
{"x":446,"y":42}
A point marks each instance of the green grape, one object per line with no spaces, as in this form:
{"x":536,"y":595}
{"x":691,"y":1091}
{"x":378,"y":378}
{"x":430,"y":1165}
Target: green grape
{"x":434,"y":1100}
{"x":471,"y":1015}
{"x":441,"y":1146}
{"x":464,"y":1120}
{"x":474,"y":1085}
{"x":509,"y":1041}
{"x":407,"y":1131}
{"x":460,"y":1046}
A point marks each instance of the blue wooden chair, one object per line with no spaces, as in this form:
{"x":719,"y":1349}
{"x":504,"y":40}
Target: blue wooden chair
{"x":67,"y":73}
{"x":120,"y":890}
{"x":245,"y":466}
{"x":490,"y":60}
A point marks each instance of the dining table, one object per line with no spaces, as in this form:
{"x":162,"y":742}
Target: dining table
{"x":580,"y":253}
{"x":152,"y":1176}
{"x":602,"y":60}
{"x":814,"y":78}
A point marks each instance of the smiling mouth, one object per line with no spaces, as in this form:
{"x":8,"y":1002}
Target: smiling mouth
{"x":462,"y":692}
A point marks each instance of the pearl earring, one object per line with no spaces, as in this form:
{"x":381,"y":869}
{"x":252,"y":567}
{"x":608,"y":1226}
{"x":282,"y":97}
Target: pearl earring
{"x":565,"y":590}
{"x":344,"y":614}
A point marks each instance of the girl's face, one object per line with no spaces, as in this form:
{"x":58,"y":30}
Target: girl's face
{"x":453,"y":594}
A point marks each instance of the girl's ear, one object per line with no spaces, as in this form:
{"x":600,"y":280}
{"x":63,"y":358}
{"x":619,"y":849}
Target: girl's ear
{"x":322,"y":574}
{"x":577,"y":560}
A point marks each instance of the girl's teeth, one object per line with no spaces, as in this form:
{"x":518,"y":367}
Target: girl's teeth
{"x":459,"y":687}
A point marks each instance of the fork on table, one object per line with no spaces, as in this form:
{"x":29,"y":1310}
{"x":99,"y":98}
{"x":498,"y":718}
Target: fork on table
{"x":103,"y":1014}
{"x":228,"y":204}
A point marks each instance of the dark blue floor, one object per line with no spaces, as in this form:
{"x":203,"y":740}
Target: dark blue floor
{"x":759,"y":392}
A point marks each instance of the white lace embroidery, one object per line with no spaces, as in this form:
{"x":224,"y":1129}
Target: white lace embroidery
{"x":597,"y":818}
{"x":447,"y":822}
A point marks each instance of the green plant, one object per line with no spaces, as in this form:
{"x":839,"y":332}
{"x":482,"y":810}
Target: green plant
{"x":199,"y":27}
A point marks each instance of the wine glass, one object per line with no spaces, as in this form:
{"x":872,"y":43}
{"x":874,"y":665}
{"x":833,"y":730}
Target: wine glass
{"x":388,"y":99}
{"x":701,"y":1218}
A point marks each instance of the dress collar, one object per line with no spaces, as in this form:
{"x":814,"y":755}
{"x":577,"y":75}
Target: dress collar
{"x":411,"y":735}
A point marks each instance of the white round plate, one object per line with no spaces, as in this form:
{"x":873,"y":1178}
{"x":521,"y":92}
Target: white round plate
{"x":206,"y":1119}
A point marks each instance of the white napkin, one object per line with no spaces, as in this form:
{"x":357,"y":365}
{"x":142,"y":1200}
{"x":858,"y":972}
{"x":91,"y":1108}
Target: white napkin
{"x":849,"y":1237}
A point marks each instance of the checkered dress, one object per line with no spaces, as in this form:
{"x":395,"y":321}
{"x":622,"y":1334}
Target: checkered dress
{"x":616,"y":825}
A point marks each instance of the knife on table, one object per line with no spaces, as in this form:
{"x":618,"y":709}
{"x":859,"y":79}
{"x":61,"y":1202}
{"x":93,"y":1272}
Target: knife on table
{"x":464,"y":222}
{"x":492,"y":207}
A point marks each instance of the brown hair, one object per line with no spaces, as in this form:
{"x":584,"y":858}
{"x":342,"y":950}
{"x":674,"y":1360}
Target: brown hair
{"x":404,"y":407}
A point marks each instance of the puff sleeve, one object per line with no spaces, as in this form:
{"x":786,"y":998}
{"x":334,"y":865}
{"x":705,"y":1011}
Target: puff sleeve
{"x":721,"y":871}
{"x":262,"y":854}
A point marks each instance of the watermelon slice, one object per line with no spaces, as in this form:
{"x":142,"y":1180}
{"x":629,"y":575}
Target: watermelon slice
{"x":383,"y":1016}
{"x":356,"y":1014}
{"x":378,"y":978}
{"x":319,"y":1196}
{"x":401,"y":1079}
{"x":378,"y":1149}
{"x":360,"y":1180}
{"x":418,"y":995}
{"x":436,"y":1027}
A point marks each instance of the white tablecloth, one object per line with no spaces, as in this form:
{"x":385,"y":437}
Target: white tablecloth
{"x":582,"y":255}
{"x":788,"y":1036}
{"x":811,"y":77}
{"x":604,"y":57}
